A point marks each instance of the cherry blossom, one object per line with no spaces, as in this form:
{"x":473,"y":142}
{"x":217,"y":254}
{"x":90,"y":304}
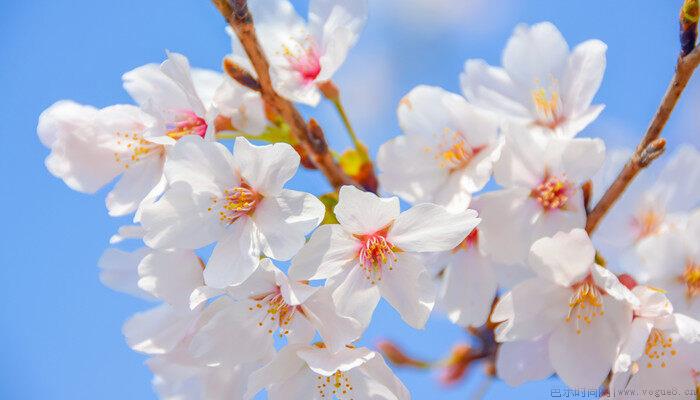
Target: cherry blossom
{"x":373,"y":253}
{"x":541,"y":195}
{"x":542,"y":83}
{"x":671,"y":261}
{"x":266,"y":305}
{"x":656,"y":202}
{"x":524,"y":361}
{"x":302,"y":54}
{"x":300,"y":372}
{"x":91,"y":147}
{"x":236,"y":200}
{"x":447,"y":151}
{"x":576,"y":303}
{"x":662,"y":350}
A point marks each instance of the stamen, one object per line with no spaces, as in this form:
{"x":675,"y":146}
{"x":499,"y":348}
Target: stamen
{"x":691,"y":279}
{"x":454,"y":152}
{"x":375,"y":255}
{"x":336,"y":386}
{"x":659,"y":349}
{"x":553,"y":193}
{"x":548,"y":105}
{"x":646,"y":223}
{"x":136,"y":148}
{"x":277,"y":313}
{"x":584,"y":305}
{"x":237,"y":202}
{"x":187,"y":123}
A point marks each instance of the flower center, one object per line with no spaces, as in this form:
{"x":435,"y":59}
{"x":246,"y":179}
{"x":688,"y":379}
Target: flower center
{"x":134,"y":148}
{"x":691,"y":279}
{"x":547,"y":105}
{"x":277,"y":314}
{"x":305,"y":60}
{"x":469,"y":242}
{"x":335,"y":386}
{"x":646,"y":223}
{"x":658,"y":349}
{"x":235,"y":203}
{"x":584,"y":305}
{"x":552,"y":193}
{"x":454,"y":152}
{"x":186,"y":123}
{"x":376,"y":254}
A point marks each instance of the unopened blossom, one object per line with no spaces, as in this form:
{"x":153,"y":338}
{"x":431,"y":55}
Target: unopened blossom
{"x":303,"y":372}
{"x":373,"y":253}
{"x":447,"y":150}
{"x":541,"y":195}
{"x":671,"y":261}
{"x":661,"y":351}
{"x":303,"y":54}
{"x":236,"y":200}
{"x":244,"y":320}
{"x":542,"y":84}
{"x":657,"y":201}
{"x":582,"y":309}
{"x":170,"y":276}
{"x":468,"y":283}
{"x":91,"y":147}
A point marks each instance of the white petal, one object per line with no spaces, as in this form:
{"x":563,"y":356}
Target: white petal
{"x":323,"y":362}
{"x":469,"y":288}
{"x":634,"y":345}
{"x":492,"y":88}
{"x":150,"y":88}
{"x":363,"y":212}
{"x":688,"y":328}
{"x":522,"y":161}
{"x":582,"y":158}
{"x":524,"y":361}
{"x":356,"y":296}
{"x":61,"y":118}
{"x":119,"y":271}
{"x":409,"y":289}
{"x":284,"y":220}
{"x":583,"y":75}
{"x":329,"y":251}
{"x":284,"y":366}
{"x":608,"y":281}
{"x":234,"y":258}
{"x":134,"y":186}
{"x":266,"y":168}
{"x":181,"y":219}
{"x":177,"y":68}
{"x":206,"y":166}
{"x":535,"y":53}
{"x":429,"y":227}
{"x":531,"y":309}
{"x":335,"y":330}
{"x":158,"y":330}
{"x":377,"y":371}
{"x":206,"y":83}
{"x":564,"y":258}
{"x":171,"y":276}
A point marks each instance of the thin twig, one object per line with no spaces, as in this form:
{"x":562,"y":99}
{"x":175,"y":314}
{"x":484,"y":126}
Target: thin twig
{"x":238,"y":16}
{"x":650,"y":147}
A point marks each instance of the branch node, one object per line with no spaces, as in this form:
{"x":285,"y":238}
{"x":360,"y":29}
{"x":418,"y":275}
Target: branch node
{"x":653,"y":151}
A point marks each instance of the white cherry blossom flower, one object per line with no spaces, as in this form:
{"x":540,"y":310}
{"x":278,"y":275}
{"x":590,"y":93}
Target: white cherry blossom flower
{"x":541,"y":195}
{"x":662,"y":350}
{"x":671,"y":261}
{"x":447,"y":150}
{"x":91,"y":147}
{"x":373,"y":253}
{"x":541,"y":84}
{"x":658,"y":200}
{"x":302,"y":54}
{"x":236,"y":200}
{"x":243,"y":320}
{"x":301,"y":372}
{"x":468,"y":283}
{"x":581,"y":307}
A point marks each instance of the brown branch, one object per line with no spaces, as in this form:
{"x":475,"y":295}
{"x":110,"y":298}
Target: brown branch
{"x":238,"y":16}
{"x":651,"y":146}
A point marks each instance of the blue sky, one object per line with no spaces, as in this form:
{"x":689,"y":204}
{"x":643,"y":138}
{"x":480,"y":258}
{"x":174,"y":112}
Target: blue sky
{"x":61,"y":328}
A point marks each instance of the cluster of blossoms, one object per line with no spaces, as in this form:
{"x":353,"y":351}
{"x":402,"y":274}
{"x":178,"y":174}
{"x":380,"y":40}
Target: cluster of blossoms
{"x":213,"y":221}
